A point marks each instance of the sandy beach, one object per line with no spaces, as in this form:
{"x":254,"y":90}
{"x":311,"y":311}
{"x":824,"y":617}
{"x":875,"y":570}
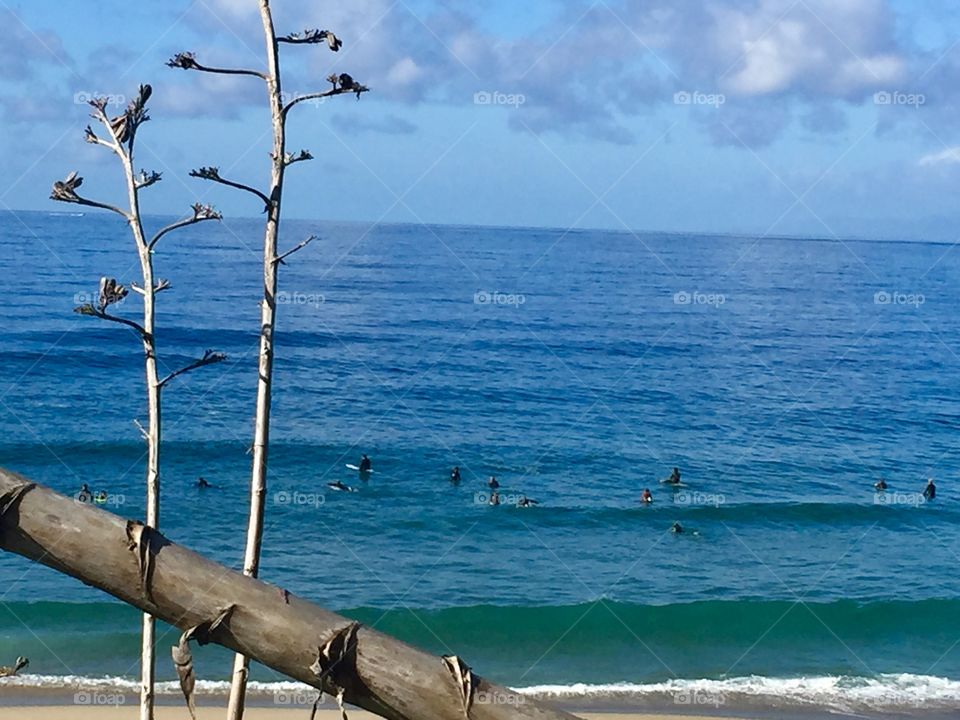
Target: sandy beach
{"x":254,"y":713}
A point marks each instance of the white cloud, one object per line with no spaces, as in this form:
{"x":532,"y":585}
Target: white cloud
{"x":950,"y":156}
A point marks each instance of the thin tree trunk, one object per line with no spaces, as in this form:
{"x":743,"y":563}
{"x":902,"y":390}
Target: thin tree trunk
{"x":261,"y":442}
{"x":284,"y":632}
{"x":153,"y":433}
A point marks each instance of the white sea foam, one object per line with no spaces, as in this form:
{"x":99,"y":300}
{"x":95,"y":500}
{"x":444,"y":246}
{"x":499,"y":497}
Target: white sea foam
{"x":882,"y":693}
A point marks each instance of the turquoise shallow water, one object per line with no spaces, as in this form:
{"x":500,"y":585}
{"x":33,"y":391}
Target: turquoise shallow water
{"x":783,"y":377}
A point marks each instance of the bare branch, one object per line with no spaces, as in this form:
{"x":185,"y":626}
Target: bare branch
{"x":200,"y":213}
{"x":289,"y":159}
{"x":111,"y":292}
{"x":313,"y":37}
{"x":188,"y":61}
{"x":66,"y":191}
{"x":90,"y":310}
{"x":145,"y":179}
{"x":159,"y":286}
{"x":209,"y":358}
{"x":143,"y":431}
{"x":342,"y":84}
{"x":280,"y":258}
{"x":213,"y":174}
{"x":91,"y":137}
{"x":123,"y":128}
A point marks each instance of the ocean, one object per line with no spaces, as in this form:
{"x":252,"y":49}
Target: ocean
{"x":782,"y":376}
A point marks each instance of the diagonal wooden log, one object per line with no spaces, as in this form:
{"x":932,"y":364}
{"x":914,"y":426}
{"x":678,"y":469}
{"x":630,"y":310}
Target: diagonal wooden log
{"x":294,"y":637}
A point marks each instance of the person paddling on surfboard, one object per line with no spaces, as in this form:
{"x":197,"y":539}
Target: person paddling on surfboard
{"x":338,"y":485}
{"x":674,"y":478}
{"x":880,"y":485}
{"x":455,"y":475}
{"x":492,"y":483}
{"x":202,"y":484}
{"x":366,"y":465}
{"x":930,"y":491}
{"x":526,"y":502}
{"x":677,"y":529}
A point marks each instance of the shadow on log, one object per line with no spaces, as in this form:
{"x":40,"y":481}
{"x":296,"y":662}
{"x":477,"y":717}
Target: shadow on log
{"x":212,"y":603}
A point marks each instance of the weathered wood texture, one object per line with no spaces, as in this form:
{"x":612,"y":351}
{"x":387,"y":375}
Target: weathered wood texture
{"x":268,"y":624}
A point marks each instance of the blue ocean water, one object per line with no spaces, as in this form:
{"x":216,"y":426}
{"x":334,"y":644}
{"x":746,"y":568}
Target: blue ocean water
{"x":782,"y":376}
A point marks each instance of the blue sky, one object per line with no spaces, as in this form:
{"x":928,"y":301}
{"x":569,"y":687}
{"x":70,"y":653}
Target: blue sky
{"x":810,"y":117}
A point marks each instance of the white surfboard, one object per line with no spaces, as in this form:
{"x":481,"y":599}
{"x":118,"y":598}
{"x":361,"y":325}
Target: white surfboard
{"x":356,"y":468}
{"x":673,"y":484}
{"x":341,"y":489}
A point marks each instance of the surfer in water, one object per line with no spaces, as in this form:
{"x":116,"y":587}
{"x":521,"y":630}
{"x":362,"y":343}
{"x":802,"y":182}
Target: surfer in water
{"x":674,"y":478}
{"x":202,"y":484}
{"x":677,"y":529}
{"x":647,"y":497}
{"x":880,"y":485}
{"x":455,"y":475}
{"x":930,"y":491}
{"x":494,"y":498}
{"x":338,"y":485}
{"x":526,"y":502}
{"x":492,"y":483}
{"x":366,"y":465}
{"x":85,"y":496}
